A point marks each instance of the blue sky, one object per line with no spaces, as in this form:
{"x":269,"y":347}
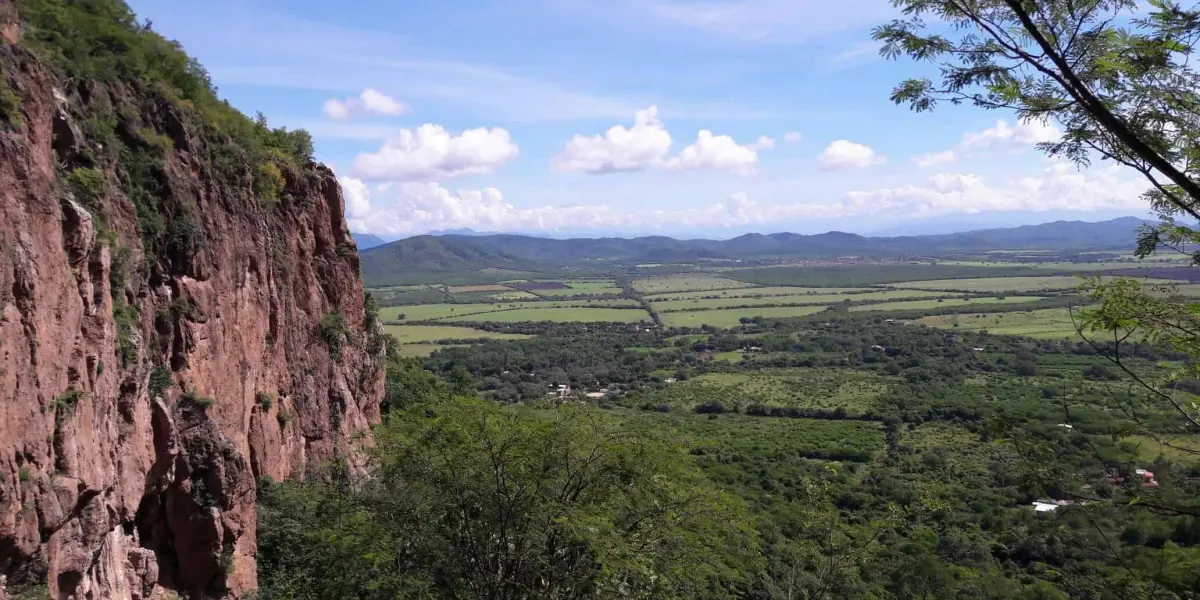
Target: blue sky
{"x":706,"y":118}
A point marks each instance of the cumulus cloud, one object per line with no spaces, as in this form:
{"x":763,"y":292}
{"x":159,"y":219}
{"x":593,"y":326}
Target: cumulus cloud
{"x":619,"y":149}
{"x":934,"y":159}
{"x":417,"y":207}
{"x":793,"y":137}
{"x":1004,"y":136}
{"x":358,"y":197}
{"x":1059,"y":187}
{"x":431,"y":153}
{"x":371,"y":102}
{"x":1000,"y":138}
{"x":719,"y":153}
{"x":843,"y":154}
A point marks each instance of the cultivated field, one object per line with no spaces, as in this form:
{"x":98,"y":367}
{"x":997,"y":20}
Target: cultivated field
{"x":1050,"y":323}
{"x":731,"y":317}
{"x":753,"y":291}
{"x":687,"y":282}
{"x":1007,"y":284}
{"x":560,"y":315}
{"x":943,"y":303}
{"x":410,"y":334}
{"x":821,"y":299}
{"x":592,"y":288}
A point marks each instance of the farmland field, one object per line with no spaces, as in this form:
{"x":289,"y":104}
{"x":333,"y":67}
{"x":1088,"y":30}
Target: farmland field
{"x":998,"y":284}
{"x":717,"y":303}
{"x":561,"y":315}
{"x":463,"y":289}
{"x":574,"y":288}
{"x":860,"y":275}
{"x":685,"y":283}
{"x":408,"y":334}
{"x":753,"y":291}
{"x":1050,"y":323}
{"x":942,"y":303}
{"x":1005,"y":284}
{"x":730,"y":317}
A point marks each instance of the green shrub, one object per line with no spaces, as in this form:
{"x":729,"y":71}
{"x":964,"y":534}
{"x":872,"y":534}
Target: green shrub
{"x":66,"y":401}
{"x":334,"y":332}
{"x":195,"y":397}
{"x":125,"y":316}
{"x":370,"y":310}
{"x":160,"y":381}
{"x":24,"y":474}
{"x":87,"y":185}
{"x":283,"y":417}
{"x":10,"y":103}
{"x":265,"y":400}
{"x":268,"y":183}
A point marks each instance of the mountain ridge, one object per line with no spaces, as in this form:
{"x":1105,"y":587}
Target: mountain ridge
{"x":461,"y":253}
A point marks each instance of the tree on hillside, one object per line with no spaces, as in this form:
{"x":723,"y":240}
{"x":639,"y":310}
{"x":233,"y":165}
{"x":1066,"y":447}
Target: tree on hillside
{"x":469,"y":500}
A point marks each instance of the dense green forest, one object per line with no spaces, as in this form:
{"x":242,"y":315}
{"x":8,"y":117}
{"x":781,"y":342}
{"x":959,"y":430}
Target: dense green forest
{"x":848,"y":458}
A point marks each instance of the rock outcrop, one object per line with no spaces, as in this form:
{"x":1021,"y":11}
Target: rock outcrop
{"x":147,"y":382}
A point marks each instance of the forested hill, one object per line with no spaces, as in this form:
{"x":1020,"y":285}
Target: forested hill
{"x":457,"y":253}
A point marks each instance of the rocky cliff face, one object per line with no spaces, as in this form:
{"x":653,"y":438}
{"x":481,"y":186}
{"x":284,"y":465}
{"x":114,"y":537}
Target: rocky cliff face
{"x":169,"y":333}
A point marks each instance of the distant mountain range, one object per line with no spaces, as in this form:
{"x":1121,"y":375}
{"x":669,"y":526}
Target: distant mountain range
{"x":366,"y":240}
{"x":473,"y":252}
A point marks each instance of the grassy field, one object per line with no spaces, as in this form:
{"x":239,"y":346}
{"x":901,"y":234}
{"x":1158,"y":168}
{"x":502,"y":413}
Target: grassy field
{"x":1007,"y":284}
{"x":730,"y":317}
{"x":439,"y":312}
{"x":1177,"y":448}
{"x":1050,"y":323}
{"x":823,"y":299}
{"x":997,"y":284}
{"x":409,"y":334}
{"x":752,"y":291}
{"x":685,"y":282}
{"x":860,"y":275}
{"x":561,"y":315}
{"x":575,"y":288}
{"x":511,"y":295}
{"x":426,"y":312}
{"x":941,"y":303}
{"x":463,"y":289}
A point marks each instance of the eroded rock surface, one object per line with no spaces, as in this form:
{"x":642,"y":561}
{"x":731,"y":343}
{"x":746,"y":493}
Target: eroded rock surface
{"x":132,"y":425}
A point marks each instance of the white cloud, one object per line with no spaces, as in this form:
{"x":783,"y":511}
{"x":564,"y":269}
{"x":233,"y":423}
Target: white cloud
{"x":371,"y":102}
{"x":358,"y":197}
{"x":1000,"y":138}
{"x":762,"y":143}
{"x":1004,"y":136}
{"x":619,"y":149}
{"x":934,"y":159}
{"x":843,"y":154}
{"x":431,"y":153}
{"x":719,"y":153}
{"x":414,"y":208}
{"x":418,"y":207}
{"x":1059,"y":187}
{"x":793,"y":137}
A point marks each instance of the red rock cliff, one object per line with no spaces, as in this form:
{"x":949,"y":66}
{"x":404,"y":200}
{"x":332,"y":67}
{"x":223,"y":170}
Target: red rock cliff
{"x":144,"y":390}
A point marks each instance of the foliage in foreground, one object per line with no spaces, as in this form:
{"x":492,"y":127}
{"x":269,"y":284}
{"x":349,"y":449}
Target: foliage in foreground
{"x":468,"y":500}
